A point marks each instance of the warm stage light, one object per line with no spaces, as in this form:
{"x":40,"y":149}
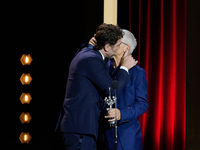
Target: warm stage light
{"x":25,"y":117}
{"x":25,"y":79}
{"x":26,"y":59}
{"x":25,"y":137}
{"x":25,"y":98}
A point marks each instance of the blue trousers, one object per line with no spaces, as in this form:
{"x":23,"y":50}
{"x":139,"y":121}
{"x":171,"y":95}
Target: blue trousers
{"x":78,"y":141}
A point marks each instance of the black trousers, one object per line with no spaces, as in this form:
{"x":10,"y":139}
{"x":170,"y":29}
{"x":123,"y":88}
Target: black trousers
{"x":78,"y":141}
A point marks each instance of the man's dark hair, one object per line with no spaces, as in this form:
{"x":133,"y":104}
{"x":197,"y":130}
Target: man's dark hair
{"x":107,"y":34}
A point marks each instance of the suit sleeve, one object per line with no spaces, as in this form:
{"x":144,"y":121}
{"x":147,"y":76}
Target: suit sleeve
{"x":98,"y":74}
{"x":140,"y":105}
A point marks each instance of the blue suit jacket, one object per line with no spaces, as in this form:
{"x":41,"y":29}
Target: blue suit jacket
{"x":132,"y":102}
{"x":87,"y":85}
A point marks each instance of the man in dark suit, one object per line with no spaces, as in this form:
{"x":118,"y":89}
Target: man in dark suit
{"x":87,"y":84}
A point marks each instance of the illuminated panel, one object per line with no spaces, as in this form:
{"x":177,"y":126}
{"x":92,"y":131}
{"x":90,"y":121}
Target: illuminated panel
{"x":26,"y":59}
{"x":110,"y":12}
{"x":26,"y":79}
{"x":25,"y":117}
{"x":25,"y":98}
{"x":25,"y":137}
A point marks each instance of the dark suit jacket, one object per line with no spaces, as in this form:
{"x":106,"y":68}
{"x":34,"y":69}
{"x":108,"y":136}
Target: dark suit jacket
{"x":132,"y":102}
{"x":87,"y":85}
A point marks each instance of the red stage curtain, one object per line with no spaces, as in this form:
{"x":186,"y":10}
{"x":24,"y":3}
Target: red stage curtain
{"x":162,"y":53}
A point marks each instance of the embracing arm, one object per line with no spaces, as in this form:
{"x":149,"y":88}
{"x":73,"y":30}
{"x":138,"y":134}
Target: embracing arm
{"x":98,"y":74}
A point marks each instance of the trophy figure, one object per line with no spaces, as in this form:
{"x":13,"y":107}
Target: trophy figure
{"x":110,"y":101}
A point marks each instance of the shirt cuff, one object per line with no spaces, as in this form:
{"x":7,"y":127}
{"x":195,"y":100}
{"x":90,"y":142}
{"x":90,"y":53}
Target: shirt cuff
{"x":122,"y":67}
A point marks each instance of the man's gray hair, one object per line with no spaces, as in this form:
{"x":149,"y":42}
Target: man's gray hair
{"x":129,"y":39}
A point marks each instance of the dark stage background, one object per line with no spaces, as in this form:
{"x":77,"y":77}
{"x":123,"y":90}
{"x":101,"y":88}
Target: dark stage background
{"x":52,"y":33}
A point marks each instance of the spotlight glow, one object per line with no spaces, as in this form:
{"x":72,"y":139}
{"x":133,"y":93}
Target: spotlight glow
{"x":26,"y":59}
{"x":25,"y":117}
{"x":25,"y":137}
{"x":25,"y":98}
{"x":26,"y":79}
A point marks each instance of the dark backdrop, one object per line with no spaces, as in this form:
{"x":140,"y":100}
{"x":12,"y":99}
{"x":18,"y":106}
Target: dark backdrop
{"x":52,"y":33}
{"x":193,"y":74}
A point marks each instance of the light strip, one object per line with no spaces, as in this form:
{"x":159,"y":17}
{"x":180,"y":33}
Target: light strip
{"x":110,"y":12}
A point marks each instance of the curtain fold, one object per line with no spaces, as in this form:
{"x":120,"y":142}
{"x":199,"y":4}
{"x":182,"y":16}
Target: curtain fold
{"x":162,"y":53}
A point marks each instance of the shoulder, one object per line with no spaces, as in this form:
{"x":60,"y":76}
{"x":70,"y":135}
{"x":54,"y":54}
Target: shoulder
{"x":137,"y":70}
{"x":138,"y":76}
{"x":91,"y":59}
{"x":87,"y":53}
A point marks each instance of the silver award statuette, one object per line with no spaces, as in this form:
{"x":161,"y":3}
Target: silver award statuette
{"x":110,"y":101}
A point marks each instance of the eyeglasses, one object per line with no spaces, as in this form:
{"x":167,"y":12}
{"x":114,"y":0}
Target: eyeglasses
{"x":124,"y":43}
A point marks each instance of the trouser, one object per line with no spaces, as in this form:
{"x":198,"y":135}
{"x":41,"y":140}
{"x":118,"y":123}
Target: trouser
{"x":78,"y":141}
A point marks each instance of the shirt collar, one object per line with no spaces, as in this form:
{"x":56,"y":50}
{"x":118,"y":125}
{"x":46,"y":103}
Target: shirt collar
{"x":102,"y":55}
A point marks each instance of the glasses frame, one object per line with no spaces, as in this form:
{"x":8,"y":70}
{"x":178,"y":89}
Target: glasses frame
{"x":124,"y":43}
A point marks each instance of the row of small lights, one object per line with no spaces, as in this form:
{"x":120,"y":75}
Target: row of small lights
{"x":25,"y":98}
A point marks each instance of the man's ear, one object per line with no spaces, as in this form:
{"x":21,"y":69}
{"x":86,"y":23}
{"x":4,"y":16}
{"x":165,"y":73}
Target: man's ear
{"x":128,"y":48}
{"x":106,"y":47}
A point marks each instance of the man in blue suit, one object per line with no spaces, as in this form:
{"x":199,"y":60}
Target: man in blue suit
{"x":87,"y":84}
{"x":131,"y":102}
